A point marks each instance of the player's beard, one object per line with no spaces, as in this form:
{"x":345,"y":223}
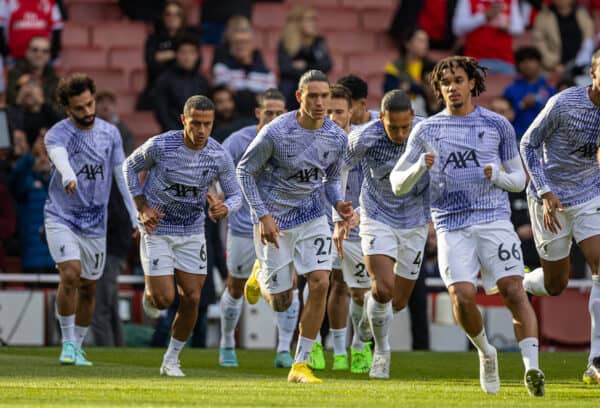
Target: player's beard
{"x":86,"y":121}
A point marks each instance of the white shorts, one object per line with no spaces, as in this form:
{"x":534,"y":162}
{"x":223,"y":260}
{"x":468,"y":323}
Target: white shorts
{"x":403,"y":245}
{"x":65,"y":245}
{"x":578,"y":222}
{"x":353,"y":267}
{"x":240,"y":256}
{"x":305,"y":248}
{"x":160,"y":255}
{"x":494,"y":248}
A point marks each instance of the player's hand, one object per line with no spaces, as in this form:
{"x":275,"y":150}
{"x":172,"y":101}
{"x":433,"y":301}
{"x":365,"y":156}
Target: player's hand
{"x":71,"y":187}
{"x":341,"y":231}
{"x":216,"y":208}
{"x":488,"y":171}
{"x":552,"y":206}
{"x":269,"y":231}
{"x":429,"y":159}
{"x":345,"y":210}
{"x":353,"y":222}
{"x":135,"y":234}
{"x":150,"y":218}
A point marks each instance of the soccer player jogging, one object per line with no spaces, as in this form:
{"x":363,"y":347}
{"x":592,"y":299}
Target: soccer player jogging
{"x":86,"y":152}
{"x":282,"y":174}
{"x":181,"y":166}
{"x":240,"y":249}
{"x":359,"y":89}
{"x":464,"y":148}
{"x":559,"y":150}
{"x":393,"y":229}
{"x":348,"y":272}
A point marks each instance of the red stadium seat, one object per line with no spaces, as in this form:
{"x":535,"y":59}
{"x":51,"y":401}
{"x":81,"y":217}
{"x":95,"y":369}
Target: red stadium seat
{"x":75,"y":35}
{"x":137,"y":80}
{"x":88,"y":12}
{"x":126,"y":102}
{"x":352,"y":42}
{"x":112,"y":79}
{"x":116,"y":34}
{"x":142,"y":124}
{"x":269,"y":15}
{"x":128,"y":59}
{"x":83,"y":57}
{"x":369,"y":63}
{"x":376,"y":20}
{"x":389,"y":5}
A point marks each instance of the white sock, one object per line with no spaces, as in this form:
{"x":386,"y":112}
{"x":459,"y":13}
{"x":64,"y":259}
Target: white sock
{"x":481,"y":343}
{"x":380,"y":317}
{"x":356,"y":312}
{"x":529,"y":351}
{"x":67,"y":328}
{"x":533,"y":282}
{"x":594,"y":308}
{"x":230,"y":314}
{"x":339,"y":340}
{"x":303,"y":349}
{"x":80,"y":333}
{"x":175,"y":347}
{"x":286,"y":324}
{"x":318,"y":339}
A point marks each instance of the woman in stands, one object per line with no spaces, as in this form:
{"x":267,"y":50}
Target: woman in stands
{"x":301,"y":48}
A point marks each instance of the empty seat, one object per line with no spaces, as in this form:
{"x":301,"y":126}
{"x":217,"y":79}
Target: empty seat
{"x":565,"y":318}
{"x":94,"y":12}
{"x":142,"y":124}
{"x":83,"y":57}
{"x":116,"y":34}
{"x":112,"y":79}
{"x":75,"y":35}
{"x":369,"y":63}
{"x":128,"y":59}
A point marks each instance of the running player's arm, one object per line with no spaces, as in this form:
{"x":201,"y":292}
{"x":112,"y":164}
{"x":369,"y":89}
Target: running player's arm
{"x":513,"y":177}
{"x":415,"y":161}
{"x":251,"y":165}
{"x":355,"y":151}
{"x":229,"y":184}
{"x":533,"y":140}
{"x":142,"y":158}
{"x":57,"y":152}
{"x":117,"y":159}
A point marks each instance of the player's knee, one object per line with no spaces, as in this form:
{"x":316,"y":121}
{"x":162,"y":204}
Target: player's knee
{"x":462,"y":299}
{"x":70,"y":277}
{"x":358,"y":297}
{"x":383,"y":292}
{"x":191,"y":298}
{"x":88,"y":290}
{"x":556,"y":288}
{"x":339,"y":288}
{"x":163,"y":301}
{"x":281,"y":301}
{"x":318,"y":286}
{"x":399,"y":304}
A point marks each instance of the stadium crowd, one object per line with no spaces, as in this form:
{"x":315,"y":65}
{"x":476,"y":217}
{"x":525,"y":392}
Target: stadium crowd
{"x":563,"y":40}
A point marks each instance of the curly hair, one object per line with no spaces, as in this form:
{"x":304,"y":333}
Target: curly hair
{"x":74,"y":85}
{"x":470,"y":65}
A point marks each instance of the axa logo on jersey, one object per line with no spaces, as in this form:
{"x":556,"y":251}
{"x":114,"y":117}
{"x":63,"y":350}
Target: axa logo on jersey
{"x":90,"y":171}
{"x":181,"y":190}
{"x":462,"y":160}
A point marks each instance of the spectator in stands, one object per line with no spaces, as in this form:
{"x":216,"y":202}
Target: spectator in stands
{"x":300,"y":49}
{"x":160,"y":47}
{"x":529,"y":93}
{"x":106,"y":108}
{"x":34,"y":67}
{"x":143,"y":10}
{"x":21,"y":20}
{"x":214,"y":14}
{"x":502,"y":106}
{"x":7,"y":222}
{"x":489,"y":27}
{"x":31,"y":114}
{"x":178,"y":83}
{"x":433,"y":16}
{"x":564,"y":83}
{"x":564,"y":34}
{"x":409,"y":72}
{"x":106,"y":327}
{"x":239,"y":65}
{"x":29,"y":186}
{"x":227,"y":117}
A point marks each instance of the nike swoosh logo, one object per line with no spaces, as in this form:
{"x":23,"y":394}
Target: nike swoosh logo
{"x":321,"y":261}
{"x":508,"y":268}
{"x":414,"y":273}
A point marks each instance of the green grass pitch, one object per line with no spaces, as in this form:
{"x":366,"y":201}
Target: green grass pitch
{"x":129,"y":377}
